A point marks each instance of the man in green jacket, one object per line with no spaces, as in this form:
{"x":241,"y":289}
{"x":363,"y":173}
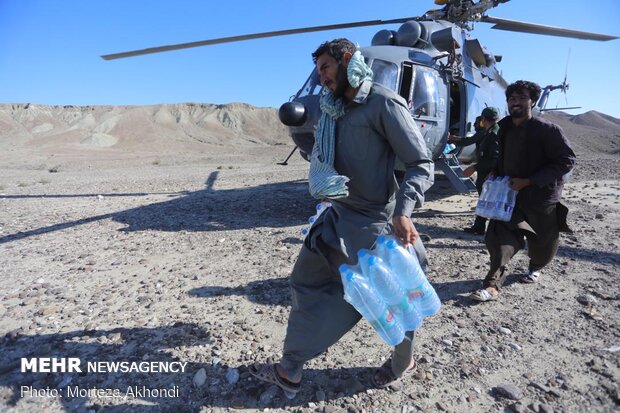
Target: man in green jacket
{"x":487,"y":150}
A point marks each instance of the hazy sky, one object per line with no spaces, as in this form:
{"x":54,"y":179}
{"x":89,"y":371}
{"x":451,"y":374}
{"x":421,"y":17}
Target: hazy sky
{"x":49,"y":50}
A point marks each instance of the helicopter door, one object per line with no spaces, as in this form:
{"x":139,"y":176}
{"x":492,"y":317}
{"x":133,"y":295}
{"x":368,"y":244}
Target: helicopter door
{"x":430,"y":107}
{"x":457,"y":109}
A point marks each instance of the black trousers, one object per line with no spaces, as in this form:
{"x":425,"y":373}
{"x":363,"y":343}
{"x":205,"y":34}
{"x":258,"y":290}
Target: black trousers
{"x":504,"y":239}
{"x":480,"y":222}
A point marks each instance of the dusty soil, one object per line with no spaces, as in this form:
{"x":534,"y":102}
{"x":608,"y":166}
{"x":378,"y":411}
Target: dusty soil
{"x":184,"y":256}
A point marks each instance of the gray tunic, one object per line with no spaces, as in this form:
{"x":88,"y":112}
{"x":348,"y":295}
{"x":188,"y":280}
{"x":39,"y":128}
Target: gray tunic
{"x":375,"y":126}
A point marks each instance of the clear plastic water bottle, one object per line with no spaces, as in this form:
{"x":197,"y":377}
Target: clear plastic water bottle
{"x":509,"y":205}
{"x":411,"y":277}
{"x":320,"y":208}
{"x":390,"y":290}
{"x":361,"y":295}
{"x":449,"y":148}
{"x":506,"y":203}
{"x":483,"y":201}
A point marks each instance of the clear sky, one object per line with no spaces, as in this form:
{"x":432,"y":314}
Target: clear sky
{"x":49,"y":50}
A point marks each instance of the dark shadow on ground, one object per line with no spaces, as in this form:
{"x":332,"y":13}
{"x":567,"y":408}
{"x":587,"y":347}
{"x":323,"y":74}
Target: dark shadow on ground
{"x":151,"y":345}
{"x":274,"y":291}
{"x":277,"y":205}
{"x":109,"y":195}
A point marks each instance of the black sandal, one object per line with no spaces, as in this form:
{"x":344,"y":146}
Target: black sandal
{"x":388,"y":378}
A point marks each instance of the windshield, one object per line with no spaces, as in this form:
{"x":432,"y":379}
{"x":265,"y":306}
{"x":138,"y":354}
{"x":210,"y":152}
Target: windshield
{"x":312,"y":85}
{"x":385,"y":73}
{"x":428,"y":98}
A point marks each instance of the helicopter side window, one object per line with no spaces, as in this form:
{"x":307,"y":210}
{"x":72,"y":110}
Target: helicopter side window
{"x":427,"y":96}
{"x":385,"y":73}
{"x":312,"y":85}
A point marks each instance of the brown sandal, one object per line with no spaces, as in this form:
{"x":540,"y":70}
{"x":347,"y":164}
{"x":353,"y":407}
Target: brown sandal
{"x":269,"y":374}
{"x":387,"y":376}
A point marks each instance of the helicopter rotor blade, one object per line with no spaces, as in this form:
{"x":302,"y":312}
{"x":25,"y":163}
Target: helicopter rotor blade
{"x":231,"y":39}
{"x":518,"y":26}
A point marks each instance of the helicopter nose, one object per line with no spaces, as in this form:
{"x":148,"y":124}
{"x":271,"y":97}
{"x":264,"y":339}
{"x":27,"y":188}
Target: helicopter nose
{"x":293,"y":114}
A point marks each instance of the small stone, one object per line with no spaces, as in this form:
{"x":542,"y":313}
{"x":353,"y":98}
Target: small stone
{"x":586,"y":299}
{"x":514,"y":346}
{"x":595,"y":315}
{"x":419,"y":375}
{"x":320,"y":396}
{"x":447,"y":342}
{"x":545,"y":408}
{"x":518,"y":407}
{"x":539,"y":386}
{"x":200,"y":377}
{"x":268,"y":395}
{"x":353,"y":386}
{"x":599,"y":216}
{"x":232,"y":376}
{"x":509,"y":391}
{"x":442,"y":406}
{"x":505,"y":331}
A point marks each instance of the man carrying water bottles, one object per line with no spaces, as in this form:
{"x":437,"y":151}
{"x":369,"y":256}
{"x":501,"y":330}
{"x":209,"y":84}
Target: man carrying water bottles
{"x":363,"y":125}
{"x":536,"y":156}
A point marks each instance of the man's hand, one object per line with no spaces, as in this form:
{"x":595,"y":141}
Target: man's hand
{"x":519,"y":183}
{"x":404,"y":229}
{"x":469,"y":171}
{"x":453,"y":138}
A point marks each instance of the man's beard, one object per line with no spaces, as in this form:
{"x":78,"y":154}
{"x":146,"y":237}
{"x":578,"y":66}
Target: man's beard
{"x":341,"y":82}
{"x":517,"y":112}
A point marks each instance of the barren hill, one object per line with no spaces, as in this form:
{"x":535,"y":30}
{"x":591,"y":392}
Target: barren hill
{"x":592,"y":134}
{"x":146,"y":129}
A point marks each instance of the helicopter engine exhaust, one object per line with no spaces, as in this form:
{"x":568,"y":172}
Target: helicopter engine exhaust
{"x":293,"y":114}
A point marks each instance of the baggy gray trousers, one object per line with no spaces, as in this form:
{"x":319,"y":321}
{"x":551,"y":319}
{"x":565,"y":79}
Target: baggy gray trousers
{"x":319,"y":315}
{"x":504,"y":239}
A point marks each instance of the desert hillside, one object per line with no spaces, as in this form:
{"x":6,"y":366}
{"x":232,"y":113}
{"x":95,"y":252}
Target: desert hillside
{"x":114,"y":130}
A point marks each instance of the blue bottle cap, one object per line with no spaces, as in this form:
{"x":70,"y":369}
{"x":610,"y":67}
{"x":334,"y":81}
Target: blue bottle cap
{"x":391,"y":244}
{"x":343,"y":268}
{"x":381,"y":239}
{"x":362,"y":253}
{"x":372,"y":260}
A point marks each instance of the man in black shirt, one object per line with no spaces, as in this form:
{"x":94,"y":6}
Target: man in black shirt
{"x":537,"y":156}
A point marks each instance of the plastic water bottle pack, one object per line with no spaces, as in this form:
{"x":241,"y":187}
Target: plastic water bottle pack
{"x":389,"y":289}
{"x":320,"y":208}
{"x":497,"y":200}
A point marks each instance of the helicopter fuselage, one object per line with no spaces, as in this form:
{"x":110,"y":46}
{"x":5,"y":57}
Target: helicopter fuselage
{"x":446,"y":77}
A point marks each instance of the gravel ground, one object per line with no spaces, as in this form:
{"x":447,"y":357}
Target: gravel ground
{"x":185,"y":259}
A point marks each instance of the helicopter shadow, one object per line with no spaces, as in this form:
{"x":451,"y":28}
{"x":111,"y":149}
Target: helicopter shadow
{"x":276,"y":205}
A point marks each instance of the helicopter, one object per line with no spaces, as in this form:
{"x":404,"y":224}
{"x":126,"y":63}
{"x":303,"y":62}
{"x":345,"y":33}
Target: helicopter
{"x":433,"y":61}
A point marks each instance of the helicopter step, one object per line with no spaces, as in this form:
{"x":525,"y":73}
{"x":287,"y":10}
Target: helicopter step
{"x":450,"y":166}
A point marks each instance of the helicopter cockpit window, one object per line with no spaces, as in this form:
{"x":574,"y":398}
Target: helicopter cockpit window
{"x":428,"y":96}
{"x":312,"y":85}
{"x":385,"y":73}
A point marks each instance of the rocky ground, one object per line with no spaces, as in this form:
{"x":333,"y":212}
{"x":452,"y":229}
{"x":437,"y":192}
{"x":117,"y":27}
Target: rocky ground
{"x":186,"y":257}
